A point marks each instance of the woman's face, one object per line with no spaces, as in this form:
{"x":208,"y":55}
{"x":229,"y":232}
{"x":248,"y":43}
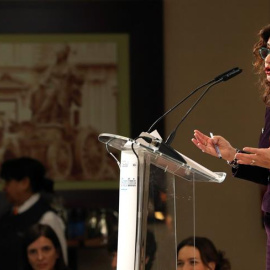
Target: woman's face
{"x":189,"y":258}
{"x":267,"y":63}
{"x":42,"y":254}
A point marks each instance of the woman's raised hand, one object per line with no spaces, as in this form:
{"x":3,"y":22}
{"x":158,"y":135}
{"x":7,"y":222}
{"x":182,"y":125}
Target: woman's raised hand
{"x":207,"y":145}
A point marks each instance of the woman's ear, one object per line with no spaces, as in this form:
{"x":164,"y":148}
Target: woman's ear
{"x":212,"y":266}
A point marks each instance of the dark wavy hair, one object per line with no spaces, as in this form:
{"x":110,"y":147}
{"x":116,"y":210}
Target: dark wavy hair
{"x":19,"y":168}
{"x":32,"y":234}
{"x":258,"y":65}
{"x":208,"y":252}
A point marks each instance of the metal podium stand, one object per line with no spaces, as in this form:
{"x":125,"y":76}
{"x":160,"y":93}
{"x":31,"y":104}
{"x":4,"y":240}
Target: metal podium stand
{"x":153,"y":188}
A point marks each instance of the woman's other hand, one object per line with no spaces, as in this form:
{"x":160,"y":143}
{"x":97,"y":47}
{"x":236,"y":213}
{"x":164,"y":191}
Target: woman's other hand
{"x":255,"y":156}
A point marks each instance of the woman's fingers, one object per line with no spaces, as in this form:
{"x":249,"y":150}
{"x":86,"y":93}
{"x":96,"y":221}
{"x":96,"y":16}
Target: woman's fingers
{"x":255,"y":157}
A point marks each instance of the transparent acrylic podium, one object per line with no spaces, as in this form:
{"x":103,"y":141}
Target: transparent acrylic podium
{"x":156,"y":203}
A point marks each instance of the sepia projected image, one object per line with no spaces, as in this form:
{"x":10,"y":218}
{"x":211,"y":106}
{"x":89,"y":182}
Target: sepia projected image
{"x":55,"y":99}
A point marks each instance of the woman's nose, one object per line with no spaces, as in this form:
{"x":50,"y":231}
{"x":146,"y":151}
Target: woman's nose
{"x":40,"y":255}
{"x":267,"y":59}
{"x":187,"y":267}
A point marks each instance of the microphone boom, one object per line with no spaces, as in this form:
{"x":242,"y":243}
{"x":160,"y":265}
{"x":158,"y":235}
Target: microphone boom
{"x":222,"y":77}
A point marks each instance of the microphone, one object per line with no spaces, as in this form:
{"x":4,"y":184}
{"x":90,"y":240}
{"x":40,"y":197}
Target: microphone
{"x":164,"y":147}
{"x":222,"y":77}
{"x":228,"y":74}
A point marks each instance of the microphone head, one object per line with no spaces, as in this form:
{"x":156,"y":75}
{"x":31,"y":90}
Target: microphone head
{"x":232,"y":73}
{"x":228,"y":74}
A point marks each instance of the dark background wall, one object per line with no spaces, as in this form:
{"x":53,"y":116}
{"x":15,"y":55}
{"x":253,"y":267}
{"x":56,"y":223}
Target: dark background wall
{"x":142,"y":20}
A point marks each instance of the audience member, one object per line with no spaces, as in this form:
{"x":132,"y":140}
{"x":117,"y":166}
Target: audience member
{"x":25,"y":180}
{"x":151,"y":247}
{"x":199,"y":253}
{"x":42,"y":249}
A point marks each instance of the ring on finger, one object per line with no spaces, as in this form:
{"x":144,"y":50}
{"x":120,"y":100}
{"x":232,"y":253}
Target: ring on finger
{"x":252,"y":162}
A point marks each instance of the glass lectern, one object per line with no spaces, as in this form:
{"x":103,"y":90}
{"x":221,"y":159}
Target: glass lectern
{"x":156,"y":198}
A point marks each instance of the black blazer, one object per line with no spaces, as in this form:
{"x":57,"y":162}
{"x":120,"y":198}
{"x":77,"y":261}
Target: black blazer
{"x":253,"y":173}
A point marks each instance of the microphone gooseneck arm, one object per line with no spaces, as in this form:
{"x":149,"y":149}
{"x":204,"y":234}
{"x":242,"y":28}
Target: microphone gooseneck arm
{"x":179,"y":103}
{"x":222,"y":77}
{"x":172,"y":134}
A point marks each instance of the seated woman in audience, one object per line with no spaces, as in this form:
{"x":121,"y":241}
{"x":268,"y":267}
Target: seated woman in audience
{"x":199,"y":253}
{"x":42,"y":249}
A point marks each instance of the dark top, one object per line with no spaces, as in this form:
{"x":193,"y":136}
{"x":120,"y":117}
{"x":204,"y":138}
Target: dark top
{"x":12,"y":228}
{"x":258,"y":174}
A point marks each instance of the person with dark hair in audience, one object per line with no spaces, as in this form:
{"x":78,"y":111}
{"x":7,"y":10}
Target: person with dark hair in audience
{"x":24,"y":181}
{"x":199,"y":253}
{"x":42,"y":249}
{"x":151,"y":247}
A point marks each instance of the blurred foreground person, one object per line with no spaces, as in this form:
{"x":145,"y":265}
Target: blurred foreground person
{"x":42,"y":249}
{"x":199,"y":253}
{"x":24,"y":181}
